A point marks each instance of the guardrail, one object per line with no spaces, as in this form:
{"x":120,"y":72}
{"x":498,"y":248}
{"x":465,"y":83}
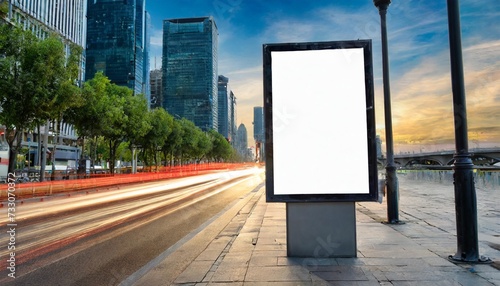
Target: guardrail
{"x":99,"y":181}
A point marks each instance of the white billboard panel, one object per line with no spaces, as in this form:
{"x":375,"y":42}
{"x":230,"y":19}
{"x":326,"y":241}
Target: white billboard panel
{"x":320,"y":124}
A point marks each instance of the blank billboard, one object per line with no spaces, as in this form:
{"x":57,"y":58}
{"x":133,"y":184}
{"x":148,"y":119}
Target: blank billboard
{"x":320,"y":123}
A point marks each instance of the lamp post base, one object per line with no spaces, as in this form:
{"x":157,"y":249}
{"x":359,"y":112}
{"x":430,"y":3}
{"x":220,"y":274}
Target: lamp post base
{"x":480,"y":260}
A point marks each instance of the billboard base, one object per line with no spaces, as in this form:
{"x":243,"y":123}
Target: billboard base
{"x":321,"y":230}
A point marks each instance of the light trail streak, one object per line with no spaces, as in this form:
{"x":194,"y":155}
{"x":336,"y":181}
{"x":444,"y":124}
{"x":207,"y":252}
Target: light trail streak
{"x":117,"y":208}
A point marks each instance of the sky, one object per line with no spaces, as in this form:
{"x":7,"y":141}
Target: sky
{"x":419,"y":58}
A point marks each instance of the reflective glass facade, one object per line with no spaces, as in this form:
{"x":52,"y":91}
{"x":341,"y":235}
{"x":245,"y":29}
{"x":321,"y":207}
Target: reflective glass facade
{"x":224,"y":106}
{"x":189,"y":68}
{"x":117,"y":42}
{"x":258,"y":124}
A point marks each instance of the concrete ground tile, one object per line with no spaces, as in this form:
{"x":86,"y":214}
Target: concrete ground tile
{"x":424,"y":283}
{"x":414,"y":276}
{"x":269,"y":240}
{"x":348,"y":283}
{"x":225,"y":284}
{"x":263,"y":261}
{"x":340,"y":273}
{"x":209,"y":275}
{"x":400,"y":253}
{"x":350,"y":261}
{"x":438,"y":261}
{"x":245,"y":238}
{"x":414,"y":268}
{"x":311,"y":262}
{"x":302,"y":283}
{"x":379,"y":275}
{"x":265,"y":247}
{"x":275,"y":253}
{"x":209,"y":255}
{"x":493,"y":277}
{"x":275,"y":230}
{"x":277,"y":274}
{"x":229,"y":273}
{"x":242,"y":247}
{"x":391,"y":261}
{"x":248,"y":228}
{"x":238,"y":257}
{"x":195,"y":272}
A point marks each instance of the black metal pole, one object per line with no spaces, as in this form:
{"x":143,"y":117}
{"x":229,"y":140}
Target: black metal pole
{"x":391,"y":178}
{"x":465,"y":193}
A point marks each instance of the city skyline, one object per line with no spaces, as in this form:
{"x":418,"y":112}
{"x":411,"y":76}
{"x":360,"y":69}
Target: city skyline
{"x":422,"y":106}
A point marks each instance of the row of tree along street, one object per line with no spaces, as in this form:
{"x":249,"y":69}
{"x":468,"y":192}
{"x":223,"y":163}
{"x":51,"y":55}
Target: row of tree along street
{"x":39,"y":84}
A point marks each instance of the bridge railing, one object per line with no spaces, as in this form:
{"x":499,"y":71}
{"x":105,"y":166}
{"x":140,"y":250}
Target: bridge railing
{"x":483,"y":178}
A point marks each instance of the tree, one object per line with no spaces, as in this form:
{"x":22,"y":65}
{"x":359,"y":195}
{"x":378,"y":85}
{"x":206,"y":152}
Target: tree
{"x":161,"y":126}
{"x":37,"y":82}
{"x":115,"y":120}
{"x":203,"y":146}
{"x":16,"y":101}
{"x":189,"y":140}
{"x":173,"y":143}
{"x":88,"y":117}
{"x":138,"y":125}
{"x":221,"y":149}
{"x":54,"y":79}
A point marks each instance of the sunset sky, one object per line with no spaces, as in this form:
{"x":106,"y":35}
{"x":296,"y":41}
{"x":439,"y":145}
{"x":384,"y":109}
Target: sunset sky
{"x":420,"y":77}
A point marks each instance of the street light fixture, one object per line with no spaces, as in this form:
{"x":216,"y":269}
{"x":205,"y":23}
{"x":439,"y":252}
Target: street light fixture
{"x":391,"y":178}
{"x":463,"y":178}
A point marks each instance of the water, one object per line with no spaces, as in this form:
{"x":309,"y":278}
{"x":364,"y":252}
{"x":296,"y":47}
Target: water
{"x":485,"y":179}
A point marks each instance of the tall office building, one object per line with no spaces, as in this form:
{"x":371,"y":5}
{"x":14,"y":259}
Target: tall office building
{"x":189,"y":68}
{"x":242,"y":142}
{"x":258,"y":132}
{"x":226,"y":110}
{"x":156,"y":89}
{"x":117,"y":43}
{"x":147,"y":48}
{"x":258,"y":124}
{"x":65,"y":18}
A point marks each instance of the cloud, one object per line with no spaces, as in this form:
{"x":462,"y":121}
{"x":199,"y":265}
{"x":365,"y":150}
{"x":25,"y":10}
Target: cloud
{"x":423,"y":100}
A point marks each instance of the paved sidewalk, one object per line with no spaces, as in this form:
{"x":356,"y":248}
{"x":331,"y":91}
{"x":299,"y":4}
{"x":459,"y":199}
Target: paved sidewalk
{"x":247,"y":246}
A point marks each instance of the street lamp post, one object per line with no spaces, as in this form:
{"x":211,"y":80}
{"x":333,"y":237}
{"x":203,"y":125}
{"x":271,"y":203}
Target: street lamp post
{"x":465,"y":193}
{"x":391,"y":178}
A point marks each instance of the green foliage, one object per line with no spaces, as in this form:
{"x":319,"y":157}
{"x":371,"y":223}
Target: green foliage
{"x":37,"y":81}
{"x":221,"y":149}
{"x":161,"y":126}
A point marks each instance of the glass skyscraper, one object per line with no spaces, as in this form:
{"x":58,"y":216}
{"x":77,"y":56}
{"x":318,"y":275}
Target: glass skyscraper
{"x":258,"y":124}
{"x":189,"y":68}
{"x":117,"y":43}
{"x":226,"y":110}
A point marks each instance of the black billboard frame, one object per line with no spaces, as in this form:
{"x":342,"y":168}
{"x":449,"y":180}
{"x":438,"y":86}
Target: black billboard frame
{"x":373,"y":194}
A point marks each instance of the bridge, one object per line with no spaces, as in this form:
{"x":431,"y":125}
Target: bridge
{"x":480,"y":157}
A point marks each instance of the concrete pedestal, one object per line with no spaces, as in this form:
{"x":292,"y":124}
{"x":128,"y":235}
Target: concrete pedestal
{"x":321,"y":230}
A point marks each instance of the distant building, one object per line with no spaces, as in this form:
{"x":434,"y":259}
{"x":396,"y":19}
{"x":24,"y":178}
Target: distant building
{"x":189,"y":68}
{"x":379,"y":146}
{"x":241,"y":144}
{"x":156,"y":88}
{"x":226,"y":110}
{"x":258,"y":124}
{"x":118,"y":43}
{"x":258,"y":132}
